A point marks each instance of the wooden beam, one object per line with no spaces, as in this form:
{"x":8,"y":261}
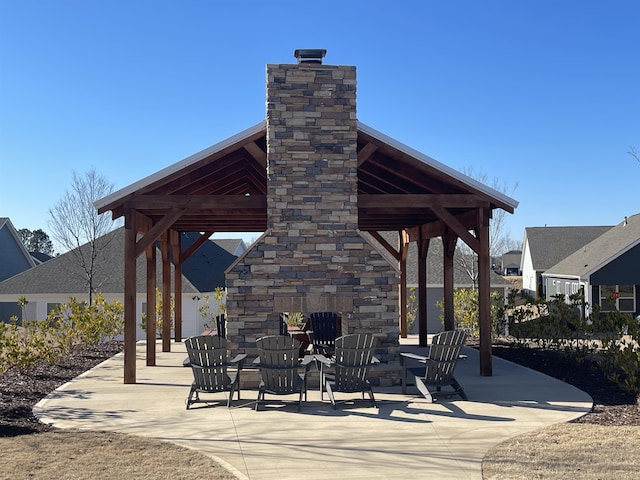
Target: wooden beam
{"x":423,"y":249}
{"x":457,"y":227}
{"x":195,"y":245}
{"x":366,"y":152}
{"x":175,"y":242}
{"x":438,"y":228}
{"x":449,"y":241}
{"x":403,"y":249}
{"x":386,"y":245}
{"x":256,"y":153}
{"x":199,"y":202}
{"x":166,"y":292}
{"x":158,"y":229}
{"x":130,"y":234}
{"x":409,"y":200}
{"x":150,"y":321}
{"x":484,"y":294}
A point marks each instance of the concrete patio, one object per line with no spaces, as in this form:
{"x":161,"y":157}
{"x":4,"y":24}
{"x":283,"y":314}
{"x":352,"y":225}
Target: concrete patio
{"x":405,"y":437}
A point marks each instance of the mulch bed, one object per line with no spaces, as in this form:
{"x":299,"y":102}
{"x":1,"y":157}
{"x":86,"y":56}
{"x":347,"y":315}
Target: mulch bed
{"x":20,"y":391}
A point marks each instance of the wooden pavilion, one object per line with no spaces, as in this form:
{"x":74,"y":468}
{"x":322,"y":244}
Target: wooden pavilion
{"x":224,"y":188}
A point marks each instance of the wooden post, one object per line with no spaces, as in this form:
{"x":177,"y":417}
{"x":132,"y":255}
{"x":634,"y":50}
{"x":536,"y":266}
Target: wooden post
{"x":150,"y":252}
{"x":130,"y":234}
{"x":484,"y":293}
{"x":175,"y":240}
{"x":449,"y":241}
{"x":423,"y":249}
{"x":403,"y":247}
{"x":166,"y":292}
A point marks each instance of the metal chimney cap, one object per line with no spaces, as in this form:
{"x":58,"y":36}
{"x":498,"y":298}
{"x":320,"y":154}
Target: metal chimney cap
{"x":310,"y":55}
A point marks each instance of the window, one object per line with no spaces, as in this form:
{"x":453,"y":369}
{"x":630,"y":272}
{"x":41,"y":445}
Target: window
{"x":620,"y":297}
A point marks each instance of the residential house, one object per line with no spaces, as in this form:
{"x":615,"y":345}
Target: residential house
{"x":543,"y":247}
{"x":14,"y":259}
{"x":606,"y":269}
{"x":510,"y":263}
{"x":55,"y":281}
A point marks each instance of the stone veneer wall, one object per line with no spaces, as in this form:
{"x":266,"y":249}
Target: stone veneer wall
{"x":313,"y":258}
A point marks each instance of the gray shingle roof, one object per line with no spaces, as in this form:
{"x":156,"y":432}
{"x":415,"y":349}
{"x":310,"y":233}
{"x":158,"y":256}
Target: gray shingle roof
{"x":550,"y":245}
{"x":202,"y":272}
{"x":597,"y":253}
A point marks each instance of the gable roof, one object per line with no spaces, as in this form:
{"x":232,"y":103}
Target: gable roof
{"x":14,"y":257}
{"x":223,"y":188}
{"x":550,"y":245}
{"x":597,"y":253}
{"x":203,"y":271}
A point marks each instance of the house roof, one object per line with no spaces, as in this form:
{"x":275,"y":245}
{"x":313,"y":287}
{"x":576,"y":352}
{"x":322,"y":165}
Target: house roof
{"x":597,"y":253}
{"x":223,"y":188}
{"x":203,"y":271}
{"x":550,"y":245}
{"x":14,"y":257}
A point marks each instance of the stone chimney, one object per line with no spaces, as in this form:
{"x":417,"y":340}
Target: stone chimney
{"x":312,"y":257}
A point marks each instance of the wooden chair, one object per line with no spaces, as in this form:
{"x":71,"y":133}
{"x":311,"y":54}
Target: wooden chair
{"x":353,"y":357}
{"x":436,"y":369}
{"x":208,"y":359}
{"x":221,"y":325}
{"x":323,"y":333}
{"x":280,"y":368}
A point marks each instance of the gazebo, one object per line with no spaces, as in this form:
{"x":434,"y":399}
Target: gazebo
{"x":310,"y":165}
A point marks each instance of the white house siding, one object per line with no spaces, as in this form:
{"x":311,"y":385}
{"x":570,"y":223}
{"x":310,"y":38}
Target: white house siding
{"x":192,"y":321}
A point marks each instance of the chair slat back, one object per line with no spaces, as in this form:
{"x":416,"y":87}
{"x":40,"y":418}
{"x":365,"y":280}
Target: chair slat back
{"x":279,"y":363}
{"x":325,"y":330}
{"x":208,"y":357}
{"x":353,"y":356}
{"x":443,"y":356}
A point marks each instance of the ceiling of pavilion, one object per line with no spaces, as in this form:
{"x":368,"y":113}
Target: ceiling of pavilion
{"x":223,"y":188}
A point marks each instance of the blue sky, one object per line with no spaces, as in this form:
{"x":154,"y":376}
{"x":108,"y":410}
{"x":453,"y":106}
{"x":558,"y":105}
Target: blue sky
{"x":540,"y":94}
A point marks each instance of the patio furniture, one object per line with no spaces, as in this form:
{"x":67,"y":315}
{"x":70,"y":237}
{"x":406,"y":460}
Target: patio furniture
{"x":208,"y":359}
{"x":323,"y":333}
{"x":349,"y":367}
{"x":280,"y":368}
{"x":221,"y":325}
{"x":436,"y":369}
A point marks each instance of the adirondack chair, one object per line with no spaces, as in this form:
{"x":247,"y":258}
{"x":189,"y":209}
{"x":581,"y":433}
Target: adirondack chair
{"x":323,"y":333}
{"x":435,"y":370}
{"x":349,"y":367}
{"x":280,"y":368}
{"x":208,"y":359}
{"x":221,"y":325}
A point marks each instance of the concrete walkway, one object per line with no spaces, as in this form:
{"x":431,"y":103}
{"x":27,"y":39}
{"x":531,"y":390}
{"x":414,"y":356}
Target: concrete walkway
{"x":405,"y":437}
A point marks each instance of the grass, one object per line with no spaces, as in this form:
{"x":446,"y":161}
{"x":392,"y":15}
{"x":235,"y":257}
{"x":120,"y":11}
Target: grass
{"x":76,"y":455}
{"x":568,"y":450}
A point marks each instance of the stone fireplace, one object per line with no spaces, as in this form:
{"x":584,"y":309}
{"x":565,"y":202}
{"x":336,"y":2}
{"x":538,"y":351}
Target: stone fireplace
{"x":312,"y":256}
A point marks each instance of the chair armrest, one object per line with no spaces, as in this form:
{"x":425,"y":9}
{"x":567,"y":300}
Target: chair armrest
{"x":374,"y":360}
{"x":239,"y":359}
{"x":322,"y":359}
{"x":186,"y":362}
{"x":256,"y":361}
{"x":413,"y":356}
{"x":307,"y":359}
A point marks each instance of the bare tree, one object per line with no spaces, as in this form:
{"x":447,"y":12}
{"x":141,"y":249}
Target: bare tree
{"x":76,"y":225}
{"x":634,"y":153}
{"x":500,"y":241}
